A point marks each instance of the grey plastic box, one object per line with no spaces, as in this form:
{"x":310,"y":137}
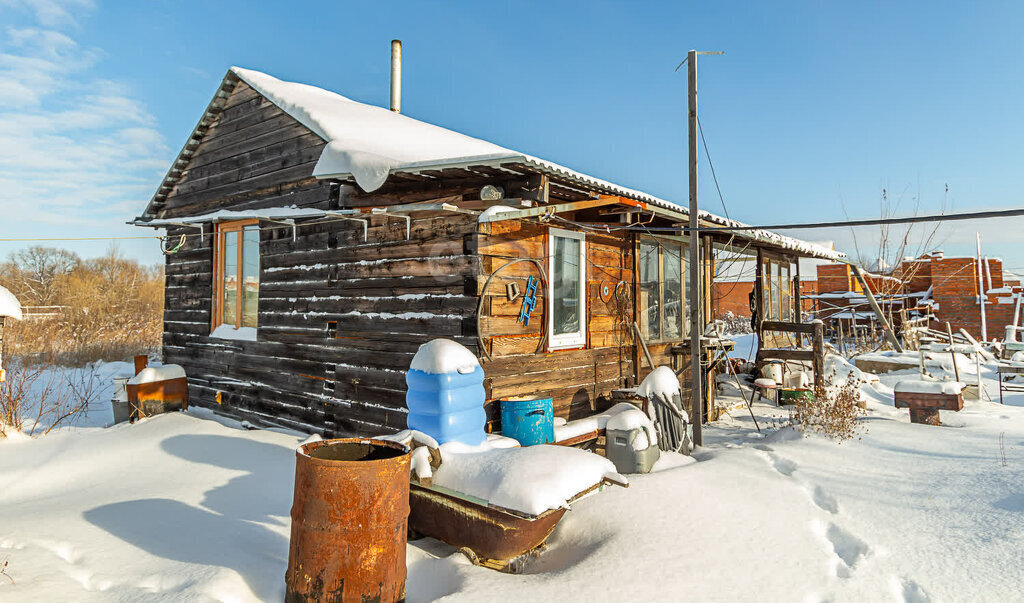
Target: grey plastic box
{"x":619,"y":450}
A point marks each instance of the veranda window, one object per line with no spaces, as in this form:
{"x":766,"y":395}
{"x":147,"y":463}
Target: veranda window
{"x":778,"y":290}
{"x":567,"y":315}
{"x":237,"y":274}
{"x":664,"y":282}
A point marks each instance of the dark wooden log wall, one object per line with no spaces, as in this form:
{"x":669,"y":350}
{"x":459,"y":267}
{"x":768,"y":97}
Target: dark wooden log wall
{"x":339,"y":321}
{"x":339,"y":317}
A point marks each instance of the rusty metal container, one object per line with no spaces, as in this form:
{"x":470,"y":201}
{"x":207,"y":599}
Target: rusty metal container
{"x":349,"y":522}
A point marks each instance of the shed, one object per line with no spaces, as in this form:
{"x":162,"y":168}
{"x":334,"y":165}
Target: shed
{"x":315,"y":242}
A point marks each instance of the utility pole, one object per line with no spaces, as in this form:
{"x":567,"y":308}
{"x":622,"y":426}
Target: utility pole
{"x":696,"y":282}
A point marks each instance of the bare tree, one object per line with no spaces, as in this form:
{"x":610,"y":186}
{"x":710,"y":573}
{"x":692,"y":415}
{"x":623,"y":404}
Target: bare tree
{"x":35,"y":273}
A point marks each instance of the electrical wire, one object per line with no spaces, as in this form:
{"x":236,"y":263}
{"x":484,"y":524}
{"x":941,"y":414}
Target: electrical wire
{"x":707,"y":154}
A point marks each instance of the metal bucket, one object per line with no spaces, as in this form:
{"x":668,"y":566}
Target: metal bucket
{"x":349,"y":521}
{"x":530,"y":421}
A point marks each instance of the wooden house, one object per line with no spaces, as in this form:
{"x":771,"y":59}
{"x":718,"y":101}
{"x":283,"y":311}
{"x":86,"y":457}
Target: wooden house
{"x":315,"y":242}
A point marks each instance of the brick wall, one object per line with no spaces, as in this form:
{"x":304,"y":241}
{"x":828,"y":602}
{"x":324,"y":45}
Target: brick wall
{"x":734,"y":297}
{"x":834,"y":278}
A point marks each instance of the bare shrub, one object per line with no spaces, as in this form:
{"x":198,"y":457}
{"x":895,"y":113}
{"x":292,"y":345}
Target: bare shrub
{"x":35,"y":398}
{"x":834,"y":411}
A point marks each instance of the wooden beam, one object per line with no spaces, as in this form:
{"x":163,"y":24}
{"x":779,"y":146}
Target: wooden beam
{"x":560,"y":208}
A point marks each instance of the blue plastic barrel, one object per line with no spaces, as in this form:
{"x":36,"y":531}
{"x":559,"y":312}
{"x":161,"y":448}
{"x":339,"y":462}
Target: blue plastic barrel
{"x":530,"y":421}
{"x":445,"y":402}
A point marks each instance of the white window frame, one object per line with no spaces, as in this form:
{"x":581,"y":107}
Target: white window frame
{"x":577,"y":339}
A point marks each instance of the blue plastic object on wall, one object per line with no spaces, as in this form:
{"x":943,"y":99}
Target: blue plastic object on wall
{"x":447,"y":407}
{"x":529,"y":300}
{"x":530,"y":421}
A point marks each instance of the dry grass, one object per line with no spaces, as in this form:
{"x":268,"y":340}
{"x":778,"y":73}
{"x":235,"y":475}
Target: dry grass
{"x":108,"y":308}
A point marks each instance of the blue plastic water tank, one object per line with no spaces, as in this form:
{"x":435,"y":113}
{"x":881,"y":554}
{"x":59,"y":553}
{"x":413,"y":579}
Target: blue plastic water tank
{"x":446,"y":393}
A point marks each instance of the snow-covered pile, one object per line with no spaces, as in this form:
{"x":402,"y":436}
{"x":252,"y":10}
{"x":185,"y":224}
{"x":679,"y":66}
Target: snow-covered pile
{"x":9,"y":305}
{"x":928,"y":386}
{"x":529,"y":479}
{"x":609,"y":419}
{"x":152,"y":374}
{"x":631,"y":419}
{"x":662,"y":381}
{"x":363,"y":140}
{"x":441,"y":356}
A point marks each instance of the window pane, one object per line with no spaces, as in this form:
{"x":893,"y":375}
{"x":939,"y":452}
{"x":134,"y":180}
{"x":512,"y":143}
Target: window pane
{"x":775,"y":310}
{"x":784,"y":287}
{"x":686,"y":290}
{"x":672,"y":261}
{"x":650,"y":293}
{"x":230,"y":277}
{"x":250,"y":274}
{"x":565,"y":302}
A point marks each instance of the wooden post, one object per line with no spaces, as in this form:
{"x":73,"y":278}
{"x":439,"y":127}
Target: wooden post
{"x":696,"y":312}
{"x":981,"y":293}
{"x":141,"y":362}
{"x":798,"y":310}
{"x":759,"y":298}
{"x":952,"y":354}
{"x":818,"y":346}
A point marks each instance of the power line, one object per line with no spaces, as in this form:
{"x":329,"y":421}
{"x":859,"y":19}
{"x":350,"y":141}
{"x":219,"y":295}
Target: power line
{"x":977,"y":215}
{"x":707,"y":154}
{"x":78,"y":239}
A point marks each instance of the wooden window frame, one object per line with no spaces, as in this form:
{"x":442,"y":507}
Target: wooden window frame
{"x":221,"y":229}
{"x":578,"y":339}
{"x":684,"y":285}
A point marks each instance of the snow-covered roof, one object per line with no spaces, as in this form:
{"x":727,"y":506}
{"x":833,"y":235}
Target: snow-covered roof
{"x":9,"y":305}
{"x":369,"y":143}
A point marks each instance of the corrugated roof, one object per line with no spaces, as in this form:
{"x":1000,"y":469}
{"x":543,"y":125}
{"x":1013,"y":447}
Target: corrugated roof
{"x":368,"y":143}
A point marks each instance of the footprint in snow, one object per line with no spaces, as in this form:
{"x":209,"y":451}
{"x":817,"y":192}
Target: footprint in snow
{"x":824,"y":500}
{"x":910,"y":591}
{"x":783,"y":466}
{"x":849,"y":548}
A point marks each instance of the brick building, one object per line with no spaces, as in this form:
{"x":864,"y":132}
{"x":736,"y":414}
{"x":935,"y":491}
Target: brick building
{"x":945,"y":287}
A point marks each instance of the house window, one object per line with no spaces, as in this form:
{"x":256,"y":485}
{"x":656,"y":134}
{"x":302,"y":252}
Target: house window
{"x":664,"y":283}
{"x":567,"y":312}
{"x":237,"y":274}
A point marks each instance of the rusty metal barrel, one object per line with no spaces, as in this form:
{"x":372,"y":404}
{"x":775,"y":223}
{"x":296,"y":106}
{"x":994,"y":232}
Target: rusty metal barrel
{"x":349,"y":521}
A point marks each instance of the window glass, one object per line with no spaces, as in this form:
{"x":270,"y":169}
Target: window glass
{"x":686,"y":289}
{"x":673,"y":268}
{"x":250,"y":274}
{"x":229,"y":304}
{"x":776,"y":292}
{"x":567,"y":277}
{"x":650,"y":291}
{"x":784,"y":287}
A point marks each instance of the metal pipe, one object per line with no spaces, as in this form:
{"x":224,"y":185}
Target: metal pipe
{"x":396,"y":76}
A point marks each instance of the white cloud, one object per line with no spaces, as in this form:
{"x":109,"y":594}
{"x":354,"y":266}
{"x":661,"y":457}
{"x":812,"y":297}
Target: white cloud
{"x":51,"y":13}
{"x":75,"y":148}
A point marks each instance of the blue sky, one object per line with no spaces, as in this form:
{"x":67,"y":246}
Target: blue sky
{"x":815,"y":108}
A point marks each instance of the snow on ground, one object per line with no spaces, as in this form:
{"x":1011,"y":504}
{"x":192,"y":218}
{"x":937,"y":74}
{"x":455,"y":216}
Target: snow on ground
{"x":746,"y":346}
{"x":183,"y":507}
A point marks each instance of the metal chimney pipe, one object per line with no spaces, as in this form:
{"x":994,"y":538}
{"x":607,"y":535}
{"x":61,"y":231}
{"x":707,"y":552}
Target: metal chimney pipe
{"x":396,"y":76}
